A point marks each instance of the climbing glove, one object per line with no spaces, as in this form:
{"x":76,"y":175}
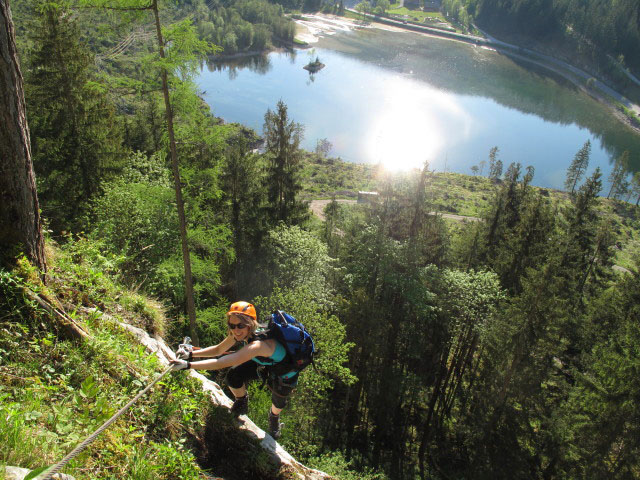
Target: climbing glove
{"x":185,"y":351}
{"x":180,"y":364}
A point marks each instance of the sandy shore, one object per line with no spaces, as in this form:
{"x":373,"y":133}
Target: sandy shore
{"x":312,"y":27}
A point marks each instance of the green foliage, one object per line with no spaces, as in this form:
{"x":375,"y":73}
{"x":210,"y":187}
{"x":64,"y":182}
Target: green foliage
{"x":56,"y":392}
{"x":323,"y":177}
{"x":282,"y":144}
{"x":135,"y":216}
{"x":336,"y":465}
{"x":302,"y":416}
{"x":577,"y":168}
{"x":184,"y":50}
{"x":495,"y":164}
{"x":601,"y":412}
{"x":75,"y":140}
{"x":592,"y":31}
{"x":363,"y":7}
{"x":618,"y":176}
{"x":514,"y":234}
{"x":512,"y":354}
{"x":35,"y":473}
{"x":60,"y":392}
{"x":299,"y":260}
{"x":244,"y":25}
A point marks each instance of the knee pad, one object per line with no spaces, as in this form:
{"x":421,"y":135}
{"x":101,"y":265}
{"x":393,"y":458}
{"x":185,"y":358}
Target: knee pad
{"x":234,"y":379}
{"x":278,"y":400}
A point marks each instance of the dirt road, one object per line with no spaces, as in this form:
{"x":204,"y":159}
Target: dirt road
{"x":318,"y":206}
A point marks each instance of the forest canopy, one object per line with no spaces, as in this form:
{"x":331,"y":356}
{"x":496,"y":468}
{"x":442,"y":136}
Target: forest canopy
{"x":611,"y":27}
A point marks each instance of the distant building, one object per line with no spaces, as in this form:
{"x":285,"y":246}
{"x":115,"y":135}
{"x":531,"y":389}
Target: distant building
{"x":368,"y":197}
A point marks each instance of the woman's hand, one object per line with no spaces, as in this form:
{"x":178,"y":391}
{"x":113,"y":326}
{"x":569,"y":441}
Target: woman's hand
{"x":179,"y":364}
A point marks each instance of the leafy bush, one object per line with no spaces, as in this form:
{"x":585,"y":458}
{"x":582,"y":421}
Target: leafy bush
{"x":336,"y":465}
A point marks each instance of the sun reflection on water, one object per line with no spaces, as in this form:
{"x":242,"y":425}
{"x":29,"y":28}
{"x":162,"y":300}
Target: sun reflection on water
{"x":411,"y":123}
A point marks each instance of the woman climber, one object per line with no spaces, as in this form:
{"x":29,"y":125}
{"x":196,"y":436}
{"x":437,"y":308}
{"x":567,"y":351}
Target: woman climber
{"x":260,"y":357}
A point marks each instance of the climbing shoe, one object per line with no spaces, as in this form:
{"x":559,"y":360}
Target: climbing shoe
{"x":274,"y":425}
{"x":240,"y":406}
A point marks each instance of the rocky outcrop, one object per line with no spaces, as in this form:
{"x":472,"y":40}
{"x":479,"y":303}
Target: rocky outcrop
{"x":17,"y":473}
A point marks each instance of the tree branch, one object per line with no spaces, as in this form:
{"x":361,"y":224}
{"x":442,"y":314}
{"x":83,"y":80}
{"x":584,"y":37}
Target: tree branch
{"x":70,"y":327}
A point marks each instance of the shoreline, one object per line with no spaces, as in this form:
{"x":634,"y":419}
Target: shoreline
{"x":311,"y":27}
{"x":561,"y":68}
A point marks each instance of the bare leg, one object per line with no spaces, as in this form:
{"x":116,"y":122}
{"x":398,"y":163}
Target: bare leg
{"x":239,"y":392}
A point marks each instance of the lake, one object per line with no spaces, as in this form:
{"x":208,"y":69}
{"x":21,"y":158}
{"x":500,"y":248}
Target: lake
{"x":401,"y":98}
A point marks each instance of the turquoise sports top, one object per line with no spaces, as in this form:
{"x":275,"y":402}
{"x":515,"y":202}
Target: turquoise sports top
{"x":277,"y":356}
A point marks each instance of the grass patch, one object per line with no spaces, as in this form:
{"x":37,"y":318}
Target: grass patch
{"x":459,"y":194}
{"x":55,"y":392}
{"x":419,"y":15}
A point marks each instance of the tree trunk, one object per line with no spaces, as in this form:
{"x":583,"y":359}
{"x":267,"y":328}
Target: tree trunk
{"x":188,"y":280}
{"x":20,"y":224}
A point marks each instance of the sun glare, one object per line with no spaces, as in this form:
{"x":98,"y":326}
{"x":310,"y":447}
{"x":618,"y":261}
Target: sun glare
{"x":412,"y":124}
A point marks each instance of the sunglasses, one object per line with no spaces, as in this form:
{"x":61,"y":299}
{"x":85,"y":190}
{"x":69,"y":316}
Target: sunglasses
{"x":233,"y":326}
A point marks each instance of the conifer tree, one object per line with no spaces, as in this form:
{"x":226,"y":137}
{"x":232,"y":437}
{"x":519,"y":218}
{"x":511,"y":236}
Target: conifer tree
{"x":242,"y":184}
{"x":586,"y":245}
{"x":283,"y":137}
{"x":174,"y":67}
{"x":332,"y":213}
{"x":635,"y":187}
{"x":617,"y":177}
{"x":495,"y":165}
{"x":606,"y":391}
{"x":578,"y":167}
{"x":76,"y":141}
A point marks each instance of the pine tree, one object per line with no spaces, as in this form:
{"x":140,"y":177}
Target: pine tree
{"x":635,"y":187}
{"x":586,"y":254}
{"x":242,"y":184}
{"x":606,"y":391}
{"x":283,"y":137}
{"x":332,"y":214}
{"x":495,"y":165}
{"x":76,"y":141}
{"x":617,"y":177}
{"x":578,"y":167}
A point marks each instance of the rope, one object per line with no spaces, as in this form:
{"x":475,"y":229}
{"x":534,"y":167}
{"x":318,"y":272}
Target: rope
{"x":47,"y":475}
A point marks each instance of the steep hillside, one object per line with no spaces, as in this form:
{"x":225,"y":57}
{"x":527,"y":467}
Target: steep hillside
{"x":56,"y":389}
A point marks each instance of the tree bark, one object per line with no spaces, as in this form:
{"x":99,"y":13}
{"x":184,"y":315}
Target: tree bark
{"x":20,"y":224}
{"x":188,"y":279}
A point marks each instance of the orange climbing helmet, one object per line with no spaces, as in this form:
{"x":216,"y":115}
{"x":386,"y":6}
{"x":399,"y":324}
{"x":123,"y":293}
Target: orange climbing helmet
{"x":243,"y":308}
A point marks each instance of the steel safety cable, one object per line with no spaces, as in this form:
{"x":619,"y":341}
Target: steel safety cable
{"x":48,"y":474}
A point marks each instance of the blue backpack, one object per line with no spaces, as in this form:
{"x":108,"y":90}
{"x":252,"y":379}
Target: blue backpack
{"x":294,"y":338}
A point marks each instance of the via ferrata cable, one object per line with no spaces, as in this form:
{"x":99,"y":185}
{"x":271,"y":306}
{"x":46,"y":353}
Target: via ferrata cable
{"x":50,"y":472}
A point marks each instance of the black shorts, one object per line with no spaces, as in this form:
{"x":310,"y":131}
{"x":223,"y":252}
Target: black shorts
{"x":280,"y":388}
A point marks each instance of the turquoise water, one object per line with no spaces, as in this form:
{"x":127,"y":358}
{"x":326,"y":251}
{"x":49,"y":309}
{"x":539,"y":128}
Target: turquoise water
{"x":401,"y":98}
